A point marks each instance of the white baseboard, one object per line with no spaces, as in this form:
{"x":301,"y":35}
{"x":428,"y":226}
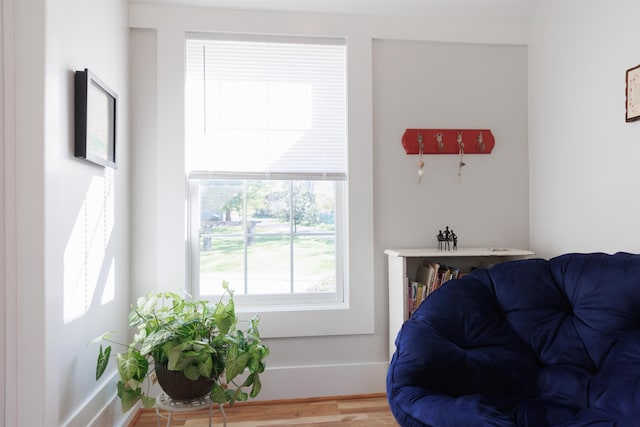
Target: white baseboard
{"x":293,"y":382}
{"x":101,"y":409}
{"x":112,"y":416}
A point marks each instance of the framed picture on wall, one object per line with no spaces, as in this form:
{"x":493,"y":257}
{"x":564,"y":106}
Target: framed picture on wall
{"x":633,"y":94}
{"x":95,"y":120}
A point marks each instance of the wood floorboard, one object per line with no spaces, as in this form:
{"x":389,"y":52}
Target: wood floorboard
{"x":347,"y":411}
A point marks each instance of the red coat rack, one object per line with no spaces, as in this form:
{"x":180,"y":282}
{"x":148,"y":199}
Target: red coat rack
{"x":448,"y":141}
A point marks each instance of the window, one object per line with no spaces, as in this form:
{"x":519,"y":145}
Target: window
{"x":266,"y":162}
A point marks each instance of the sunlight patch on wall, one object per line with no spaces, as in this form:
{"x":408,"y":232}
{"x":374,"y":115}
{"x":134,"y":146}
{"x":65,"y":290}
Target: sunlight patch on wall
{"x":109,"y":292}
{"x":89,"y":265}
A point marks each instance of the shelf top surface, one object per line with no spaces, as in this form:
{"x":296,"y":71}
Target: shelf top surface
{"x":460,"y":252}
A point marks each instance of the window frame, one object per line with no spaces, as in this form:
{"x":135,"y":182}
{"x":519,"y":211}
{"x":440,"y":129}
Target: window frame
{"x":359,"y":313}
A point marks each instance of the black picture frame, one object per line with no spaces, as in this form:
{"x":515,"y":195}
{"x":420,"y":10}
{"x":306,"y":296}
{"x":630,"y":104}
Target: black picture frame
{"x":95,"y":120}
{"x":632,"y":93}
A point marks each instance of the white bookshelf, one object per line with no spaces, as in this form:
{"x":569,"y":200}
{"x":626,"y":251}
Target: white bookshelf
{"x":403,"y":266}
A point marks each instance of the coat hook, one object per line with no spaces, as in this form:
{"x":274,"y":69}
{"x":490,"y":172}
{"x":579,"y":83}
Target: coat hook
{"x":421,"y":161}
{"x":440,"y":145}
{"x":461,"y":153}
{"x":480,"y":143}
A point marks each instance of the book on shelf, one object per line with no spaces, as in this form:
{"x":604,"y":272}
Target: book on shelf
{"x":426,"y":275}
{"x":430,"y":276}
{"x":418,"y":294}
{"x":410,"y":297}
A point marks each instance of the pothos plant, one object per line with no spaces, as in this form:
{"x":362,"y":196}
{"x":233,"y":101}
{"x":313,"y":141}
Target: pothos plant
{"x":195,"y":337}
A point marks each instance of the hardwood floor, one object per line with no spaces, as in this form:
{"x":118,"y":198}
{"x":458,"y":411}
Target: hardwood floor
{"x":348,"y":411}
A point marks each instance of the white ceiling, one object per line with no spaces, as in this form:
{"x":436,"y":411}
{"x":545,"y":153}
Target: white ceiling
{"x":515,"y":11}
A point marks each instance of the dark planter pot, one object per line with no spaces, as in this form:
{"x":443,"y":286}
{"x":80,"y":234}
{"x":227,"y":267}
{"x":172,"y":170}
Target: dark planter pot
{"x":179,"y":387}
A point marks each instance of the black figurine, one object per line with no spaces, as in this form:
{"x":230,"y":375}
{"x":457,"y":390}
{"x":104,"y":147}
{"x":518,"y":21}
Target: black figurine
{"x":446,"y":238}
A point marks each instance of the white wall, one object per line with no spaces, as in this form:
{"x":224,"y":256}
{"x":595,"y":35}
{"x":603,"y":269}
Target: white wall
{"x":346,"y":364}
{"x":584,"y":178}
{"x":3,"y":238}
{"x":87,"y":211}
{"x":51,"y":208}
{"x":23,"y":247}
{"x":450,"y":85}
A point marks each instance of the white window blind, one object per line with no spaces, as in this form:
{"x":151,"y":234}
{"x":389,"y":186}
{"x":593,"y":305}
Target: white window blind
{"x":266,"y":107}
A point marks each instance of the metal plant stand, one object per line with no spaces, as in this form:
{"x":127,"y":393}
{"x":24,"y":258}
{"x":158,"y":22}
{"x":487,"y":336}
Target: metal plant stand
{"x":166,"y":404}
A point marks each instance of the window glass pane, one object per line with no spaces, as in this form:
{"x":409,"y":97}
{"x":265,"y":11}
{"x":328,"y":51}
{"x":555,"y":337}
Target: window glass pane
{"x":315,"y":264}
{"x":269,"y":262}
{"x":267,"y":203}
{"x":267,"y":237}
{"x":313,"y":206}
{"x":221,"y":207}
{"x":221,"y":258}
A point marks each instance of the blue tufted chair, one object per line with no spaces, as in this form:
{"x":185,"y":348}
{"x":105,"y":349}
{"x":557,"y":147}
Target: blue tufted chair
{"x":524,"y":343}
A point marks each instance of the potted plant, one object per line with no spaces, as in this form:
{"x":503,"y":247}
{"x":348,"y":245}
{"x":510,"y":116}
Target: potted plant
{"x":194,"y":339}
